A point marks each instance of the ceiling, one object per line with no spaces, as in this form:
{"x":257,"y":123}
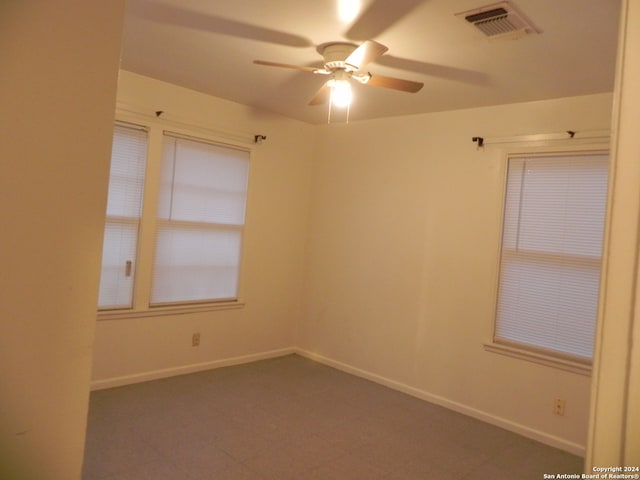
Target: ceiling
{"x":209,"y":46}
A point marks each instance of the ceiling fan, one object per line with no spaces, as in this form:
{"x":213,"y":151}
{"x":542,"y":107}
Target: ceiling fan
{"x":344,"y":62}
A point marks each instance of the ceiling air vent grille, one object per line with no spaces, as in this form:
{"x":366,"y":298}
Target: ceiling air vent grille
{"x":499,"y":21}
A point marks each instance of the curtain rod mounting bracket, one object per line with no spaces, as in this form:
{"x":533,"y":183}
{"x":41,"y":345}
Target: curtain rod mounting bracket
{"x":259,"y":138}
{"x":478,"y":140}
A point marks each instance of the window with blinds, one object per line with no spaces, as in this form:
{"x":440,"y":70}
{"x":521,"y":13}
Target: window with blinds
{"x":551,"y":249}
{"x":124,"y":205}
{"x":174,"y":223}
{"x":200,"y":221}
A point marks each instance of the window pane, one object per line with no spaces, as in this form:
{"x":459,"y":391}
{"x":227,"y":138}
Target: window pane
{"x":124,"y":204}
{"x":195,"y":264}
{"x":561,"y":209}
{"x":549,"y":304}
{"x":551,"y":248}
{"x":202,"y":182}
{"x":126,"y":177}
{"x":201,"y":208}
{"x":116,"y":280}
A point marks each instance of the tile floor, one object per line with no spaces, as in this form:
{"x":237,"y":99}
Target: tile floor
{"x":291,"y":418}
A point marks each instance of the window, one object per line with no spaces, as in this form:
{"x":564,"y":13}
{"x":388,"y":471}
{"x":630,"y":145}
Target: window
{"x":201,"y":207}
{"x":124,"y":207}
{"x":551,"y":250}
{"x":172,"y":236}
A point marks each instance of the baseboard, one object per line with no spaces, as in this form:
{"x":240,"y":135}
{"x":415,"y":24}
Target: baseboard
{"x":185,"y":369}
{"x":520,"y":429}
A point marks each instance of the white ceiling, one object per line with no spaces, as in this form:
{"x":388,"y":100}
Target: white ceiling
{"x":210,"y":45}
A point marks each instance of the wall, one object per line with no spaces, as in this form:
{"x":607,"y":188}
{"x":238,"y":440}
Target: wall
{"x":131,"y":350}
{"x":403,"y":259}
{"x":615,"y":410}
{"x":57,"y":91}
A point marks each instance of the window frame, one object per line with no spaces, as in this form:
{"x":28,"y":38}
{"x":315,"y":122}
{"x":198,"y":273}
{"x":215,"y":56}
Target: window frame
{"x":141,"y":302}
{"x":517,"y":350}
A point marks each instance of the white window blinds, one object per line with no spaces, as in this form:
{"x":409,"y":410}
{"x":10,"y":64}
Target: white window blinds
{"x":551,"y":249}
{"x":200,"y":221}
{"x":126,"y":182}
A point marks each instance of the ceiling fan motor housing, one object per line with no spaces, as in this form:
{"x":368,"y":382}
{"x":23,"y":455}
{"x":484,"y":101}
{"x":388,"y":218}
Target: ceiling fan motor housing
{"x":335,"y":55}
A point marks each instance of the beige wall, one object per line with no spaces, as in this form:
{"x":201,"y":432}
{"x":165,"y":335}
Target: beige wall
{"x":57,"y":97}
{"x":614,"y":438}
{"x":403,"y":258}
{"x":275,"y":245}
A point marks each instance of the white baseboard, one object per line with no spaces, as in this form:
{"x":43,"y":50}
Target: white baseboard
{"x":184,"y":369}
{"x":520,"y":429}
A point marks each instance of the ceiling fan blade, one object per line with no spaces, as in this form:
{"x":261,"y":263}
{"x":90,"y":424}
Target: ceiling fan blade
{"x":366,"y":53}
{"x":322,"y":95}
{"x":395,"y":83}
{"x":185,"y":17}
{"x":435,"y":70}
{"x":286,"y":65}
{"x":379,"y":17}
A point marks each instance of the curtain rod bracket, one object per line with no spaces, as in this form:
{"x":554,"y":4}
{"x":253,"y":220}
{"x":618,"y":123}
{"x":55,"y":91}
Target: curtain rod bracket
{"x":571,"y":133}
{"x":259,"y":138}
{"x":478,"y":140}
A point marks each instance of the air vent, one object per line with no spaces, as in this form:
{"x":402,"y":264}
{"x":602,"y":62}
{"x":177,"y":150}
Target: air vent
{"x":499,"y":21}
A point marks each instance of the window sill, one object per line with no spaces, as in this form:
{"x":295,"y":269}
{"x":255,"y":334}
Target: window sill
{"x":540,"y":358}
{"x":168,"y":310}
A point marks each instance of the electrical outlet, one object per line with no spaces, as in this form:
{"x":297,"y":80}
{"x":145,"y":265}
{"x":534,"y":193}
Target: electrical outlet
{"x":195,"y":339}
{"x":558,"y":406}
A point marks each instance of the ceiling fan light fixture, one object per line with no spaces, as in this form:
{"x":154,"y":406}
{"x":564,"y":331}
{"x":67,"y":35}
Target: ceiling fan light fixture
{"x":341,"y":94}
